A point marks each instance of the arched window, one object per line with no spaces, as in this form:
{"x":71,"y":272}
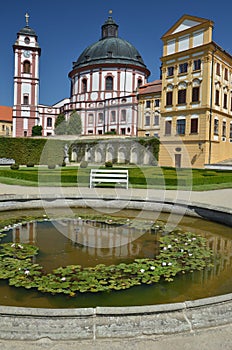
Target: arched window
{"x":26,"y":99}
{"x":182,"y":88}
{"x":84,"y":85}
{"x":26,"y":67}
{"x":109,"y":83}
{"x":49,"y":122}
{"x":139,"y":82}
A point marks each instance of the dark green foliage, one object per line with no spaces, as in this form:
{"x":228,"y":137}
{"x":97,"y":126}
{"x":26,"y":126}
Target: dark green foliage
{"x":51,"y":166}
{"x":83,"y":164}
{"x":30,"y":165}
{"x":74,"y":126}
{"x":108,"y":164}
{"x":30,"y":150}
{"x":14,"y":166}
{"x":23,"y":150}
{"x":60,"y":125}
{"x":37,"y":130}
{"x":110,"y":132}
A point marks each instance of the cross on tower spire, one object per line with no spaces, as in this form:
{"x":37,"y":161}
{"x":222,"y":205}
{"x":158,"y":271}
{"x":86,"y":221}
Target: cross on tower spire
{"x":27,"y":19}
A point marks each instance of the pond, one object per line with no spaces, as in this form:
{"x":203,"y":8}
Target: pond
{"x":76,"y":241}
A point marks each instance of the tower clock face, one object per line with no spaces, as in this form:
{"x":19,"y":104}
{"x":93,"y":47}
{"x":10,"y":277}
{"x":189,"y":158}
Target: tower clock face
{"x":26,"y":53}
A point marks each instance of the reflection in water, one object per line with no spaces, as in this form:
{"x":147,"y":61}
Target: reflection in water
{"x":88,"y":243}
{"x":103,"y":240}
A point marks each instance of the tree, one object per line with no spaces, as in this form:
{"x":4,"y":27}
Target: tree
{"x":37,"y":130}
{"x":60,"y":125}
{"x":74,"y":125}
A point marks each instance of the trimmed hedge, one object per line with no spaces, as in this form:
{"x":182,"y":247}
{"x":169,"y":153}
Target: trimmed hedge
{"x":30,"y":150}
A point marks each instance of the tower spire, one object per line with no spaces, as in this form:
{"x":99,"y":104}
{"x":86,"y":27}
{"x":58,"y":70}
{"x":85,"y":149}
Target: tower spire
{"x":27,"y":19}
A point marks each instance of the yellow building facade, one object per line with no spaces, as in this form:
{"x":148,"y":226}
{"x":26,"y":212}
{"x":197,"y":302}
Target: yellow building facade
{"x":196,"y":100}
{"x":149,"y":101}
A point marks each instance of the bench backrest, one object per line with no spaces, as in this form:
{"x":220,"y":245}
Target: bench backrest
{"x":108,"y":175}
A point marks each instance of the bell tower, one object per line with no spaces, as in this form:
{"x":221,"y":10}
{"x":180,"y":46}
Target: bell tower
{"x":26,"y":81}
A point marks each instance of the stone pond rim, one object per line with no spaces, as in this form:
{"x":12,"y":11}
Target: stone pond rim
{"x":115,"y":322}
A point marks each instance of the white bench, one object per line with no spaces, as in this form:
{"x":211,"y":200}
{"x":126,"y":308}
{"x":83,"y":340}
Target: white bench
{"x":98,"y":176}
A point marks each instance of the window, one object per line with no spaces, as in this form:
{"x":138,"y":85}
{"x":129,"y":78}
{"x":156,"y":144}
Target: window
{"x":230,"y":130}
{"x":194,"y":126}
{"x":231,"y":104}
{"x":218,"y":69}
{"x":25,"y":99}
{"x":216,"y":125}
{"x":157,"y":103}
{"x":225,"y":101}
{"x":49,"y":122}
{"x":224,"y":128}
{"x":183,"y":68}
{"x":168,"y":127}
{"x":170,"y":71}
{"x":148,"y":104}
{"x":169,"y":98}
{"x":123,"y":115}
{"x":197,"y":64}
{"x":156,"y":120}
{"x":27,"y":40}
{"x":100,"y":118}
{"x":109,"y":83}
{"x":217,"y":95}
{"x":112,"y":116}
{"x":195,"y":94}
{"x":26,"y":67}
{"x":147,"y":120}
{"x":123,"y":131}
{"x":3,"y":127}
{"x":90,"y":119}
{"x":140,"y":82}
{"x":226,"y":74}
{"x":180,"y":126}
{"x":84,"y":86}
{"x":181,"y":96}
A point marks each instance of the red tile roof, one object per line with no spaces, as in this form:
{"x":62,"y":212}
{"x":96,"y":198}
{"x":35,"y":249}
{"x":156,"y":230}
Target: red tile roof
{"x":5,"y":113}
{"x":152,"y":87}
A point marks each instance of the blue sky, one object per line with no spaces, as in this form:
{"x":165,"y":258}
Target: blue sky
{"x":66,"y":28}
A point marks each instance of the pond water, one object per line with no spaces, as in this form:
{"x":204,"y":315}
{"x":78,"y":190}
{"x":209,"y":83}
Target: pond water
{"x":68,"y":242}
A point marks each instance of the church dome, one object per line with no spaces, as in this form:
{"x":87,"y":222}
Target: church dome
{"x":110,"y":49}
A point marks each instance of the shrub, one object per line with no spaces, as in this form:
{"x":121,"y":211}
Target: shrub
{"x":83,"y":164}
{"x":108,"y":164}
{"x":51,"y":166}
{"x":14,"y":166}
{"x":30,"y":165}
{"x":62,"y":164}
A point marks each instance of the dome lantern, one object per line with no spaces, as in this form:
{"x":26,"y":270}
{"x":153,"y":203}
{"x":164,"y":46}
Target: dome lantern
{"x":109,"y":28}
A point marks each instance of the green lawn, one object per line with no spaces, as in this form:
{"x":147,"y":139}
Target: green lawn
{"x":139,"y":177}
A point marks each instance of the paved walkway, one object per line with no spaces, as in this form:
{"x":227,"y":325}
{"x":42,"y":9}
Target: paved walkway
{"x":208,"y":339}
{"x":220,"y":198}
